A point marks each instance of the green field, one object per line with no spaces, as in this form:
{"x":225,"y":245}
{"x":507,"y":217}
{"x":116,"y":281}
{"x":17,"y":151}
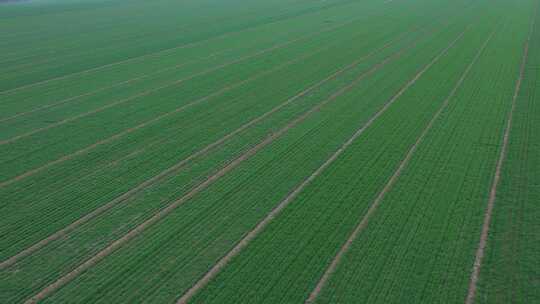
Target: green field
{"x":270,"y":151}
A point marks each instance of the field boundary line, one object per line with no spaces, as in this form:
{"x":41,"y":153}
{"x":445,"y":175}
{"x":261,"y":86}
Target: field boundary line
{"x":284,"y":203}
{"x":152,"y":54}
{"x":482,"y":243}
{"x":397,"y":173}
{"x":172,"y":84}
{"x":210,"y":180}
{"x":177,"y":166}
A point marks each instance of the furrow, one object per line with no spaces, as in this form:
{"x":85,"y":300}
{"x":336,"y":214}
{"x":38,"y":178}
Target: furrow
{"x":180,"y":164}
{"x":496,"y":177}
{"x":189,"y":104}
{"x":373,"y":207}
{"x":147,"y":92}
{"x":210,"y":180}
{"x":261,"y":225}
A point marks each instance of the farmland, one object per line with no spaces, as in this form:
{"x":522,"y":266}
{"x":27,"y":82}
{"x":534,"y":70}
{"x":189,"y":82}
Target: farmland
{"x":275,"y":151}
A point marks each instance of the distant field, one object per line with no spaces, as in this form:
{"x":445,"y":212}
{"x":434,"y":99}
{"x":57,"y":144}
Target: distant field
{"x":271,"y":151}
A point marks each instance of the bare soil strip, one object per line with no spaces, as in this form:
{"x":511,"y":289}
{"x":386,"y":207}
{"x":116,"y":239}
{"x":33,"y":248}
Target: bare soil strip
{"x":475,"y":274}
{"x":210,"y":180}
{"x":183,"y":162}
{"x":375,"y":204}
{"x":261,"y":225}
{"x":156,"y":54}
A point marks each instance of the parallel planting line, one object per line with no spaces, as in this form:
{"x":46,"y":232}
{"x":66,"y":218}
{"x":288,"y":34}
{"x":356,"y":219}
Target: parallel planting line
{"x":283,"y":204}
{"x":68,"y":55}
{"x":118,"y":135}
{"x":182,"y":46}
{"x":179,"y":165}
{"x":183,"y":107}
{"x":375,"y":204}
{"x":493,"y":191}
{"x":10,"y":56}
{"x":87,"y":71}
{"x":119,"y":38}
{"x":210,"y":180}
{"x":122,"y":38}
{"x":73,"y":98}
{"x":148,"y":122}
{"x":192,"y":44}
{"x":176,"y":82}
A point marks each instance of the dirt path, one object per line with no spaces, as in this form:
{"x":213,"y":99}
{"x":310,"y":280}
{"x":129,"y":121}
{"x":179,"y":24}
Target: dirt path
{"x":375,"y":204}
{"x":475,"y":274}
{"x":210,"y":180}
{"x":261,"y":225}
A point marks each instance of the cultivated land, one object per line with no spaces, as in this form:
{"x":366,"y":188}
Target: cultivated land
{"x":276,"y":151}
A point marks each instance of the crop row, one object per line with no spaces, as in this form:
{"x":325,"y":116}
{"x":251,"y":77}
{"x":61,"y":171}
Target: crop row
{"x":162,"y":88}
{"x":172,"y":64}
{"x":361,"y":179}
{"x":149,"y":162}
{"x":302,"y":242}
{"x":59,"y":133}
{"x":190,"y":238}
{"x":123,"y":47}
{"x":146,"y":163}
{"x":78,"y":89}
{"x":420,"y":244}
{"x":509,"y":273}
{"x":119,"y":222}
